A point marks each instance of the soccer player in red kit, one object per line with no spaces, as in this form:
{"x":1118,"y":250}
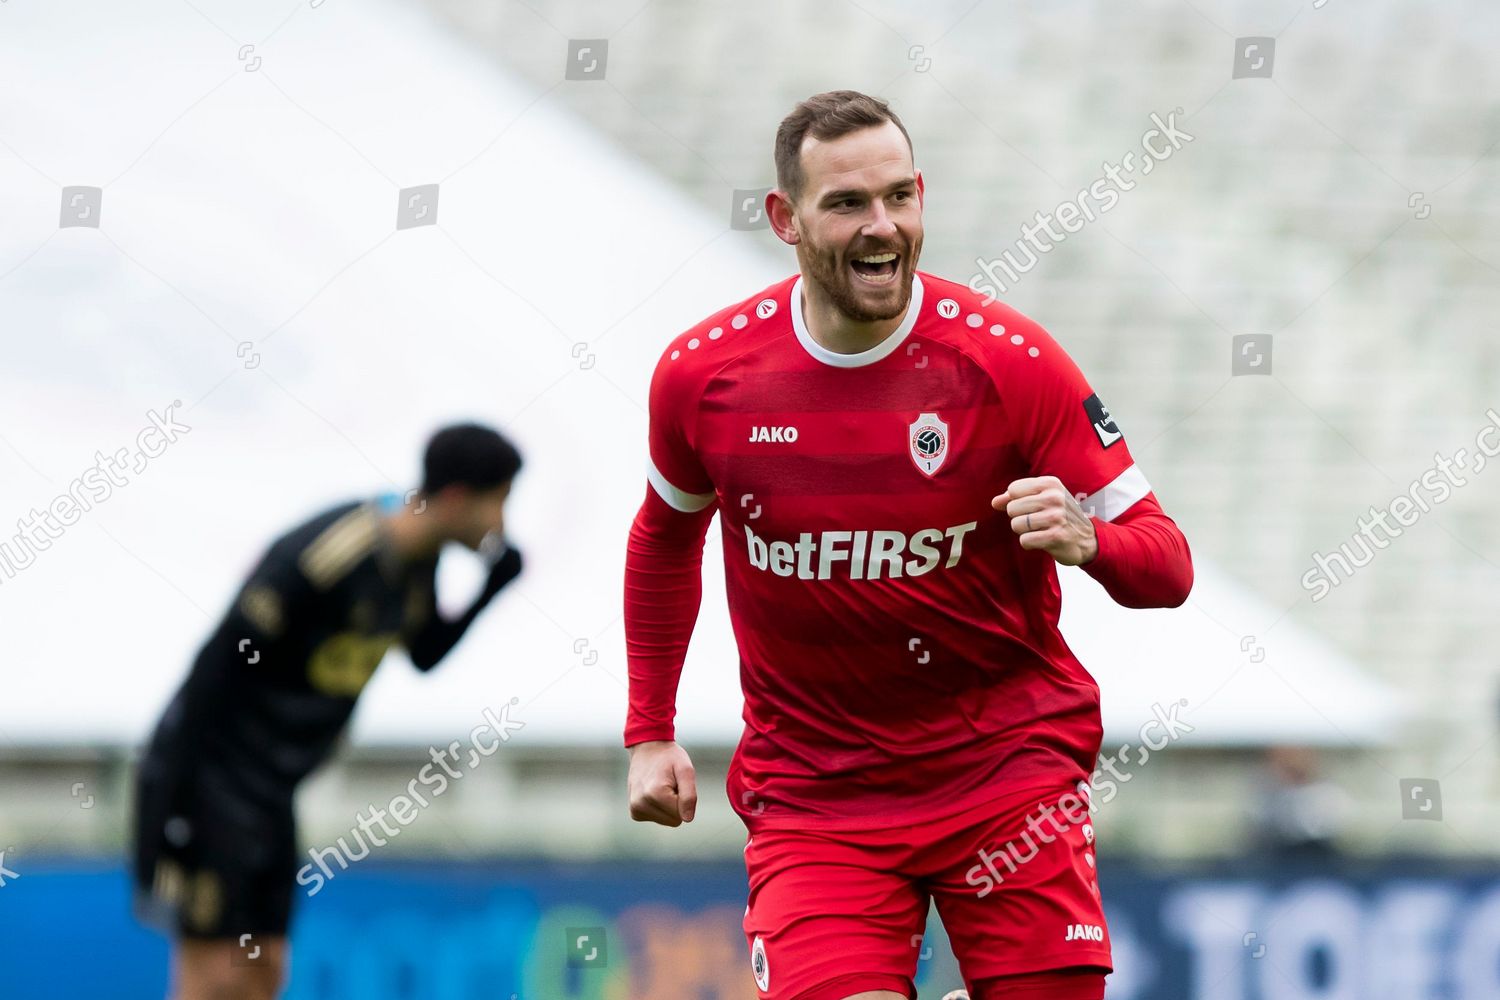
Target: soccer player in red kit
{"x":897,"y":466}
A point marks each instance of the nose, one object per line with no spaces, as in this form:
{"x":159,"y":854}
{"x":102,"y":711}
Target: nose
{"x":880,"y":225}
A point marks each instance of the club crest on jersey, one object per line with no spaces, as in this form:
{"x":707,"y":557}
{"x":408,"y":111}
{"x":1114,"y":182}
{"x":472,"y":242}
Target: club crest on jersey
{"x":928,"y":438}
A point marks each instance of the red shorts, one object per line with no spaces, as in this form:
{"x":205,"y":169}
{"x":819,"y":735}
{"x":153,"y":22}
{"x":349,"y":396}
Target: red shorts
{"x":839,"y":912}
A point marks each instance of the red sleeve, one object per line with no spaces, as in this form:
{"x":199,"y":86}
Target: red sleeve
{"x":664,"y":556}
{"x":674,"y":469}
{"x":663,"y":588}
{"x":1143,"y":559}
{"x":1066,"y":431}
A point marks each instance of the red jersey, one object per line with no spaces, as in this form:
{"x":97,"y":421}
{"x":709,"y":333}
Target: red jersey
{"x":899,"y":651}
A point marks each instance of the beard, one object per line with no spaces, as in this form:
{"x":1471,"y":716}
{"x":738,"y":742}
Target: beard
{"x":830,"y":268}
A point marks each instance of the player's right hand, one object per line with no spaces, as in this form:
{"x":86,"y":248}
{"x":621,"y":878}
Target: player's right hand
{"x":663,"y":788}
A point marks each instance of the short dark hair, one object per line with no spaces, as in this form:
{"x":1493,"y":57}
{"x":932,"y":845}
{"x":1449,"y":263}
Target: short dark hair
{"x":825,"y":116}
{"x":471,"y":455}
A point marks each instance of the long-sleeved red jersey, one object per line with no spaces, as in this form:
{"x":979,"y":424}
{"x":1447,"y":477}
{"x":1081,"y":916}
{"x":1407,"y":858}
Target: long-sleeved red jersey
{"x":899,"y":650}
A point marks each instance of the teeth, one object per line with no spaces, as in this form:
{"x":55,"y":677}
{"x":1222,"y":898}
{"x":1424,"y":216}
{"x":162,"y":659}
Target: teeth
{"x":876,"y":258}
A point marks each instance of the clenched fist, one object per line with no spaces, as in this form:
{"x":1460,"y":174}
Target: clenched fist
{"x":1047,"y":517}
{"x":663,"y":788}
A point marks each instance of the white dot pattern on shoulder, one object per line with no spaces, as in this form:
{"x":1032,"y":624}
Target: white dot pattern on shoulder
{"x":1017,"y":339}
{"x":764,"y":309}
{"x":997,"y":330}
{"x":975,"y":320}
{"x":1033,"y":351}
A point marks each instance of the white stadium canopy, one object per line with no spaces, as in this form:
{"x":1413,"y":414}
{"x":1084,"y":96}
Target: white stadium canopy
{"x":263,"y":215}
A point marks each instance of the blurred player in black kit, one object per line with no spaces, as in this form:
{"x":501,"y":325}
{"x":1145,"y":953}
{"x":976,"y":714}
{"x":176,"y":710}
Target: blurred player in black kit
{"x":272,"y":689}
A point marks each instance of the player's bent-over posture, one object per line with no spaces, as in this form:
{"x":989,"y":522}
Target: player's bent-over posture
{"x":897,"y":466}
{"x":272,"y":688}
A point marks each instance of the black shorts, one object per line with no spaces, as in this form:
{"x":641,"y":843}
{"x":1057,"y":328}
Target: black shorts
{"x":210,"y":862}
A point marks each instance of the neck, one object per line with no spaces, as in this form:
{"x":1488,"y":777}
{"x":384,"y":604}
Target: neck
{"x":834,"y":330}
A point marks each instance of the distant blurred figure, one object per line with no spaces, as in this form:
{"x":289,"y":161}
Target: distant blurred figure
{"x":272,"y":689}
{"x":1298,"y":814}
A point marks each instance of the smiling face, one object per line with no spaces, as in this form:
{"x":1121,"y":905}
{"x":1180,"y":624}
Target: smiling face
{"x":858,"y":220}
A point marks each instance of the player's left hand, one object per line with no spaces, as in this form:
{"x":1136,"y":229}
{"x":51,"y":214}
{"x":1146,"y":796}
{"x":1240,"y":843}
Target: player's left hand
{"x":1047,"y":517}
{"x":505,"y":568}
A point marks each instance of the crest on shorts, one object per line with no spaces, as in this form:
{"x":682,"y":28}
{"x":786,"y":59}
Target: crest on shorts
{"x":928,"y":438}
{"x":759,"y":965}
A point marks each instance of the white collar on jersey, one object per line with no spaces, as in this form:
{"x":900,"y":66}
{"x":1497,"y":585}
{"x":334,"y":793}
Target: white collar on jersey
{"x":874,"y":354}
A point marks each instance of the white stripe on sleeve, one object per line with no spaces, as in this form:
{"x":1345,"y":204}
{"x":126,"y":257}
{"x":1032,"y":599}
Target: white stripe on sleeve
{"x":688,"y":503}
{"x":1116,"y":498}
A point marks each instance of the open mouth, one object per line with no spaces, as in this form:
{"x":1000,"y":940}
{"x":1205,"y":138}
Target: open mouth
{"x":876,"y":268}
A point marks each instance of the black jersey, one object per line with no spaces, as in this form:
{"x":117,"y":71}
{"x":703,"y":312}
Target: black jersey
{"x":276,"y":682}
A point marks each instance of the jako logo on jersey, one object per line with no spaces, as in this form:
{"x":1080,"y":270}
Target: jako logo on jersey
{"x":759,"y":965}
{"x":928,"y":436}
{"x":863,"y":553}
{"x":1104,"y":424}
{"x":760,"y":433}
{"x":1085,"y":932}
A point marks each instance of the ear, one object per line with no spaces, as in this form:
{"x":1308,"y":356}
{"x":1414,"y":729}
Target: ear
{"x":921,"y":190}
{"x":783,"y":218}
